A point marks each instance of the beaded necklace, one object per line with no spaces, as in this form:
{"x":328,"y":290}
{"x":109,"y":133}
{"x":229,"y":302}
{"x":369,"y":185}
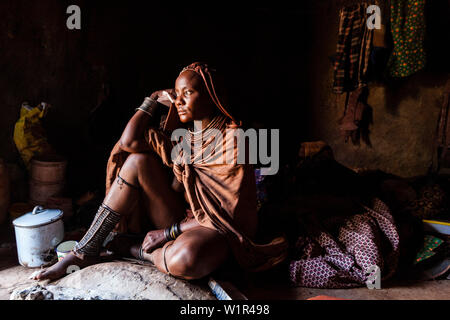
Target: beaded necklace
{"x":211,"y":124}
{"x":217,"y":123}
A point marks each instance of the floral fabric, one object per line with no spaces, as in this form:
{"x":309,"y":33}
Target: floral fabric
{"x":344,"y":259}
{"x":408,"y":33}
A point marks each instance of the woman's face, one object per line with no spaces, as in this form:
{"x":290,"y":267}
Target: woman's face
{"x":192,"y":102}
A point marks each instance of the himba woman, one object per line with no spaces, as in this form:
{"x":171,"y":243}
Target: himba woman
{"x":221,"y":221}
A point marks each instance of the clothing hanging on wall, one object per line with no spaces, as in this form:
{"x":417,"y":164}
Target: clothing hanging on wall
{"x":408,"y":33}
{"x":351,"y":65}
{"x":352,"y":123}
{"x":353,"y":49}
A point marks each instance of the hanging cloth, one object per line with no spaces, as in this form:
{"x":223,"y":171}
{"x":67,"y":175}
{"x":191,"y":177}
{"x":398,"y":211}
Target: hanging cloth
{"x":350,"y":67}
{"x":408,"y":33}
{"x":353,"y":49}
{"x":351,"y":122}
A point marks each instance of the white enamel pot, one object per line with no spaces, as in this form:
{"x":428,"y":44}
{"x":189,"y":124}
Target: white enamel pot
{"x":37,"y":234}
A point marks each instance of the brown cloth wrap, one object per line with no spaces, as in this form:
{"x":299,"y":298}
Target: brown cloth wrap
{"x":221,"y":196}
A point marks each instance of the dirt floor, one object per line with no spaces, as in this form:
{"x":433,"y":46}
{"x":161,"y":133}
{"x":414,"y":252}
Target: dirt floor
{"x":395,"y":290}
{"x":13,"y":276}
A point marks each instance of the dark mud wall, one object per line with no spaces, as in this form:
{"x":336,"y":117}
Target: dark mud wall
{"x":137,"y":48}
{"x":277,"y":60}
{"x":405,"y":113}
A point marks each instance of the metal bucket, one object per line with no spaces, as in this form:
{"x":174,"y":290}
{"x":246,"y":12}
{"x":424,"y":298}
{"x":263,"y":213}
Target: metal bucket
{"x":37,"y":234}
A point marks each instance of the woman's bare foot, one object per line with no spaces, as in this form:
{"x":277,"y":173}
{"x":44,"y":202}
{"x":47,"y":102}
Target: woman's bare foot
{"x":65,"y":266}
{"x":134,"y":251}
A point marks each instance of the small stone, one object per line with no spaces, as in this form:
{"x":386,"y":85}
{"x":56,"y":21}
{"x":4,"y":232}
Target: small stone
{"x":24,"y":293}
{"x":35,"y":295}
{"x":48,"y":295}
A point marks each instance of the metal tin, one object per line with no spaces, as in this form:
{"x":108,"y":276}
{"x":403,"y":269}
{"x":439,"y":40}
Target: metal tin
{"x":37,"y":234}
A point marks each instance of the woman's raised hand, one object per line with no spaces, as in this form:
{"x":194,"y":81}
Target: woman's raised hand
{"x":165,"y":97}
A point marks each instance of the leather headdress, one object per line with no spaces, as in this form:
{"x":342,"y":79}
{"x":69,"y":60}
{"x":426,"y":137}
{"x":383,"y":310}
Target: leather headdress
{"x":206,"y":73}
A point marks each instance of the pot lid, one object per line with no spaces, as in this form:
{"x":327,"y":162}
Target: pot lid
{"x":39,"y":216}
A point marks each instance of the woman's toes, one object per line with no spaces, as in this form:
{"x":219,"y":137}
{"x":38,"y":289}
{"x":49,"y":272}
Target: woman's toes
{"x":36,"y":275}
{"x":41,"y":275}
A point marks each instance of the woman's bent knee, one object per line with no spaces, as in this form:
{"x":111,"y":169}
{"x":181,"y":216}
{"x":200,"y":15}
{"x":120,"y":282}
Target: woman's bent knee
{"x":183,"y":262}
{"x":134,"y":164}
{"x":138,"y":159}
{"x":193,"y":259}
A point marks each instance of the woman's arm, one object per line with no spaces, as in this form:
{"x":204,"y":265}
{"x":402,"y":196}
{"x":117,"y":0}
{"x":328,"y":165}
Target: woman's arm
{"x":133,"y":139}
{"x":189,"y":224}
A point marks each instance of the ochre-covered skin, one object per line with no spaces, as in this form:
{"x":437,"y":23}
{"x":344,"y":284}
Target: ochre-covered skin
{"x":221,"y":195}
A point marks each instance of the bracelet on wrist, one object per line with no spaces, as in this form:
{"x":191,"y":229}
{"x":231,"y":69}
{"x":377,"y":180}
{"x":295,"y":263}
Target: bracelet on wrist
{"x":167,"y":234}
{"x":172,"y":232}
{"x":148,"y":106}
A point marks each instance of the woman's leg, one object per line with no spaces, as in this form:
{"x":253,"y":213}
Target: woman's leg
{"x":193,"y":255}
{"x":146,"y":171}
{"x":141,"y":175}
